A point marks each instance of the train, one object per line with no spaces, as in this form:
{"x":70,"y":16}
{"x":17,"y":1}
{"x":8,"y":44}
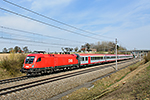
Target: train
{"x":38,"y":63}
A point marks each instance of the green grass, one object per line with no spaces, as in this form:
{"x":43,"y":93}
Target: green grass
{"x":148,"y":67}
{"x":122,"y":77}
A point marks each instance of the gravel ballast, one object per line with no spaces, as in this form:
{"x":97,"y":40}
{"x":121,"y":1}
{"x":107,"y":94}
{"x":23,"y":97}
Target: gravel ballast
{"x":49,"y":90}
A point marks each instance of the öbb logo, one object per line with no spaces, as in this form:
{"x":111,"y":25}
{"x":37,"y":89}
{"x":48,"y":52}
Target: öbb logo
{"x":70,"y":60}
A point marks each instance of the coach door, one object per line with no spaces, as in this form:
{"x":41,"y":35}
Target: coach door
{"x":84,"y":60}
{"x":89,"y":60}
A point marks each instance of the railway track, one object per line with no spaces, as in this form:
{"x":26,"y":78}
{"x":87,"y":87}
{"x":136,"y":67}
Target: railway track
{"x":19,"y":79}
{"x":13,"y":79}
{"x":22,"y":86}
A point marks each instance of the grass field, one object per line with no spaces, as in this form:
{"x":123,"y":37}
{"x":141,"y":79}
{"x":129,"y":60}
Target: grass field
{"x":4,"y":55}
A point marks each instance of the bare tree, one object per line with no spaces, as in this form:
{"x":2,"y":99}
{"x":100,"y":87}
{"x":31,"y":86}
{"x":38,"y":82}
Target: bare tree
{"x":76,"y":49}
{"x":70,"y":49}
{"x":83,"y":48}
{"x":105,"y":46}
{"x":67,"y":49}
{"x":62,"y":49}
{"x":17,"y":49}
{"x":5,"y":50}
{"x":25,"y":49}
{"x":87,"y":45}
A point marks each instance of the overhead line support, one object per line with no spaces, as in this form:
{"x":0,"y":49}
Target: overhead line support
{"x":116,"y":54}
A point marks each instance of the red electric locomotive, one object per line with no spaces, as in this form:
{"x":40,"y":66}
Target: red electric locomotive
{"x":46,"y":63}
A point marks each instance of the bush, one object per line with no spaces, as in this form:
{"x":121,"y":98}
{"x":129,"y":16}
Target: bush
{"x":147,"y":58}
{"x":13,"y":63}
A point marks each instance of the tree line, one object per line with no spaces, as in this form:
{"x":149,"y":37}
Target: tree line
{"x":16,"y":49}
{"x":105,"y":46}
{"x":99,"y":46}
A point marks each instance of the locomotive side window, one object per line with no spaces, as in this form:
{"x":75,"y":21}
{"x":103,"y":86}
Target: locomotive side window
{"x":39,"y":59}
{"x":29,"y":59}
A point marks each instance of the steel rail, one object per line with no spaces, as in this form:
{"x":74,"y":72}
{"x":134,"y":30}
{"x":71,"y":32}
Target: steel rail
{"x":13,"y":79}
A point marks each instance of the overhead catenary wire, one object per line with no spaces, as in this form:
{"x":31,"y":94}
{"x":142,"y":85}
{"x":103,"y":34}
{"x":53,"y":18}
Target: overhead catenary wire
{"x":124,"y":44}
{"x":29,"y":44}
{"x":33,"y":41}
{"x":20,"y":36}
{"x":18,"y":30}
{"x":51,"y":25}
{"x":20,"y":39}
{"x":47,"y":23}
{"x":55,"y":19}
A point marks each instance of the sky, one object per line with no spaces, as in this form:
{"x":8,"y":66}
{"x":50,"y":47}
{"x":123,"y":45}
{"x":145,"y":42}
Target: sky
{"x":101,"y":20}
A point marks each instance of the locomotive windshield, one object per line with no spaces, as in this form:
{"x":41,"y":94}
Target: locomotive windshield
{"x":29,"y":59}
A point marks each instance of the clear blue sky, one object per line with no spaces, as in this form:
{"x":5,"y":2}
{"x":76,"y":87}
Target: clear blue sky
{"x":126,"y":20}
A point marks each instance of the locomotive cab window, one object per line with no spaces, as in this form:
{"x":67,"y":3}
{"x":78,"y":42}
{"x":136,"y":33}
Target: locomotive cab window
{"x":29,"y":59}
{"x":39,"y":59}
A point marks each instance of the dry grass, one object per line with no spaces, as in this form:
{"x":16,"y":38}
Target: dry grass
{"x":4,"y":55}
{"x":9,"y":55}
{"x":10,"y":65}
{"x":100,"y":86}
{"x":147,"y":58}
{"x":133,"y":67}
{"x":136,"y":87}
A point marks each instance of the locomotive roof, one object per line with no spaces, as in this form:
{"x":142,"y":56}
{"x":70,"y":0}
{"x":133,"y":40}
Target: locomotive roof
{"x":52,"y":55}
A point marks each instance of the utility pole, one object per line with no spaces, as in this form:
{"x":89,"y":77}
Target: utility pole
{"x":116,"y":54}
{"x":140,"y":56}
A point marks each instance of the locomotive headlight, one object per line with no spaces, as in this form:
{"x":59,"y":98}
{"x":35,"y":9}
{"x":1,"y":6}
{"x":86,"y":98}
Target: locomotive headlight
{"x":32,"y":66}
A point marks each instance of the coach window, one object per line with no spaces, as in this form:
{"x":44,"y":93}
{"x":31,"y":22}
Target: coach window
{"x":82,"y":58}
{"x":86,"y":58}
{"x":39,"y":59}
